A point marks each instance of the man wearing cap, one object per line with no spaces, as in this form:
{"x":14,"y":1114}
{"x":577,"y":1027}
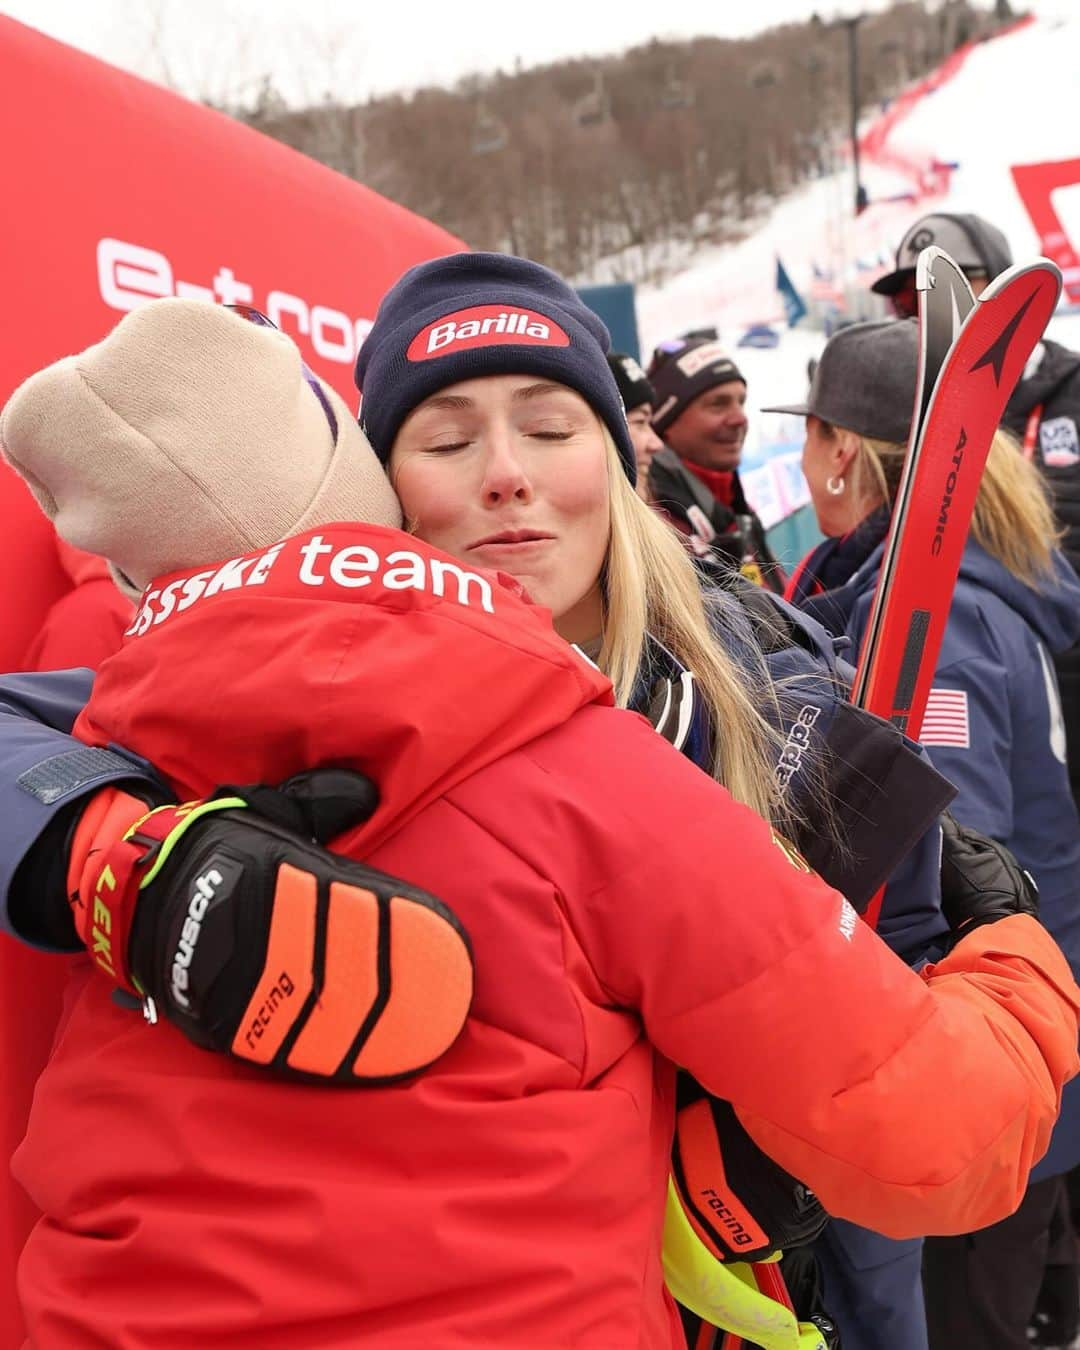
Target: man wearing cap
{"x":638,"y":398}
{"x":700,"y":413}
{"x":1043,"y":412}
{"x":979,"y":249}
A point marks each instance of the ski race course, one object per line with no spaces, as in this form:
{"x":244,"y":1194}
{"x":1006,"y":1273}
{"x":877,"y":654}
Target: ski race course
{"x":991,"y":107}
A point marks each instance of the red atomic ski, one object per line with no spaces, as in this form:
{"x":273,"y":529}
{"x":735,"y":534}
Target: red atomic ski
{"x":945,"y":301}
{"x":937,"y":496}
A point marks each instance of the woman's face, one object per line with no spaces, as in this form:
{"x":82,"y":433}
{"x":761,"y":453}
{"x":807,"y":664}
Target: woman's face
{"x":645,"y":442}
{"x":510,"y":472}
{"x":825,"y":458}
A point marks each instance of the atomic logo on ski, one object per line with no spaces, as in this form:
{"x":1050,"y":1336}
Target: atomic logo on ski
{"x":995,"y":354}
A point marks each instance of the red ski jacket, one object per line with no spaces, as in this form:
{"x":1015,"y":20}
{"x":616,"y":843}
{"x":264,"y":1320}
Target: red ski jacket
{"x":626,"y":915}
{"x":61,"y":609}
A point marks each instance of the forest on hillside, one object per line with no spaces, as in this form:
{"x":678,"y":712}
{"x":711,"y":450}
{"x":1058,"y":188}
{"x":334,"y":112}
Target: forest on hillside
{"x":619,"y":160}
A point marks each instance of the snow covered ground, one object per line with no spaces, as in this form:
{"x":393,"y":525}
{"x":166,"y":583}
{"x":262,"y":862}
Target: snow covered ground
{"x":1009,"y":101}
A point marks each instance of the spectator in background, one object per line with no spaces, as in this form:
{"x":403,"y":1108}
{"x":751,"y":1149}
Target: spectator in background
{"x":638,"y":398}
{"x":993,"y":726}
{"x":978,"y":248}
{"x":700,"y":412}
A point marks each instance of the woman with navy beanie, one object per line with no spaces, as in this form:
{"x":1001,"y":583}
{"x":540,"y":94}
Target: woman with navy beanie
{"x":482,"y":381}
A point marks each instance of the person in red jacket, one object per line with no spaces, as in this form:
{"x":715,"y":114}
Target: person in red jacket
{"x":513,"y":1193}
{"x":61,"y":608}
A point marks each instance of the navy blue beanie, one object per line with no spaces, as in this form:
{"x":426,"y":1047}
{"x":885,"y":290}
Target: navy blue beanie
{"x":475,"y":314}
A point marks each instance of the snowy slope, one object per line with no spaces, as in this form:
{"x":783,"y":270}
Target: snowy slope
{"x":1012,"y":101}
{"x":1009,"y":101}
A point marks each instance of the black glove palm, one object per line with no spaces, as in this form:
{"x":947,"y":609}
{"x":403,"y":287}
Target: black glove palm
{"x":981,"y":881}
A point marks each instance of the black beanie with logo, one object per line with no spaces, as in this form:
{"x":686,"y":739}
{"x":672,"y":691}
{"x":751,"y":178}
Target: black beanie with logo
{"x":475,"y":314}
{"x":686,"y":373}
{"x":635,"y":387}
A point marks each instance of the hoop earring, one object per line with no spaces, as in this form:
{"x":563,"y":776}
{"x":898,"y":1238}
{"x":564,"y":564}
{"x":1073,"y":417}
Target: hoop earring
{"x":834,"y":486}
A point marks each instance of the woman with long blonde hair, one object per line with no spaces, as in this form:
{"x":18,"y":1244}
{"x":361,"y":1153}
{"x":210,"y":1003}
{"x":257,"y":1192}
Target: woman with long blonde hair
{"x":487,"y":444}
{"x":994,"y":727}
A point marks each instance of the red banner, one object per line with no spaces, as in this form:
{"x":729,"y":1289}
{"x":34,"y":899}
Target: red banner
{"x":117,"y":191}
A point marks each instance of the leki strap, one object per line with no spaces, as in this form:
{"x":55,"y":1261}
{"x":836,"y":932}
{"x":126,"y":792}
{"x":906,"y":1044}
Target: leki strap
{"x":131,"y":862}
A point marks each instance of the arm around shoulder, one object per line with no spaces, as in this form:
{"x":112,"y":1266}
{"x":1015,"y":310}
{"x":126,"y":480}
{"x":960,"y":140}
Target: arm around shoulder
{"x":46,"y":777}
{"x":910,"y":1103}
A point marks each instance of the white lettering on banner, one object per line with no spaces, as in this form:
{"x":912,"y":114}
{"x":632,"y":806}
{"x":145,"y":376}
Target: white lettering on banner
{"x":350,"y":567}
{"x":130,"y":275}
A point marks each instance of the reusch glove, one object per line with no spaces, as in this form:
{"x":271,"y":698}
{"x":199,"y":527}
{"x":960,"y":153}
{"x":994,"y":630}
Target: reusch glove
{"x":256,"y":941}
{"x":742,"y":1205}
{"x":981,"y":881}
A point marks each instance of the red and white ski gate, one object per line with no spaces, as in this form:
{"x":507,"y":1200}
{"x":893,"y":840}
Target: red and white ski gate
{"x":1037,"y":185}
{"x":117,"y":191}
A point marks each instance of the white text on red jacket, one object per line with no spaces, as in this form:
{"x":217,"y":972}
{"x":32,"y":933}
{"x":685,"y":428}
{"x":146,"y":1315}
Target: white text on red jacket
{"x":318,"y":564}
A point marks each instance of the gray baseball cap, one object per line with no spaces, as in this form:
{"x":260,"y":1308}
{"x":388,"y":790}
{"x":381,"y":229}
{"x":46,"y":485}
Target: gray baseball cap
{"x":865,"y":380}
{"x":973,"y":243}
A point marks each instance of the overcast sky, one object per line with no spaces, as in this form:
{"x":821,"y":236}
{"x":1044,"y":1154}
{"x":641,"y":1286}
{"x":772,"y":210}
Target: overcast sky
{"x":218,"y":49}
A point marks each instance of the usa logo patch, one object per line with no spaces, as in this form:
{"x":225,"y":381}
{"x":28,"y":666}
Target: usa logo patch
{"x":1059,"y":443}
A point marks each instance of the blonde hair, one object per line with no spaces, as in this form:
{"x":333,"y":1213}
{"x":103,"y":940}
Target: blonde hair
{"x":1013,"y":518}
{"x":649,"y":585}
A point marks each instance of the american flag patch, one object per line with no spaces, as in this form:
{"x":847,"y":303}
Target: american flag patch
{"x":946,"y":719}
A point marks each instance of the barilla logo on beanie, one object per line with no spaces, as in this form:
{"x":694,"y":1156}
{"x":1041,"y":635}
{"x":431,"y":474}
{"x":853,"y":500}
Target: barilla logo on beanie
{"x":485,"y":326}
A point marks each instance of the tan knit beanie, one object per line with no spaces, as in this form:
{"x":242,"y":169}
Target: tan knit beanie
{"x":188,"y":435}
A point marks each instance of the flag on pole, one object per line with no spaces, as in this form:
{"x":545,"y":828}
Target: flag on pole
{"x":793,"y":301}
